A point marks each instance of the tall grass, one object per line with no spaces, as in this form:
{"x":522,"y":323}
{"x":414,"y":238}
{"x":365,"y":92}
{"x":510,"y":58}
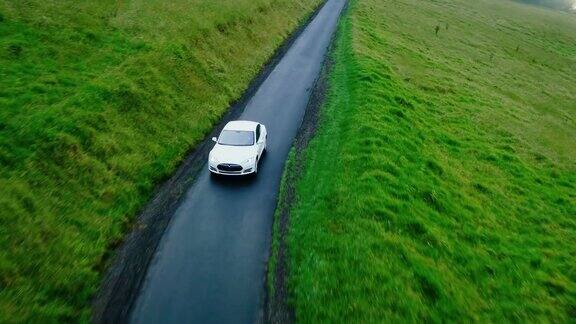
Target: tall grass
{"x":442,"y":183}
{"x":99,"y":101}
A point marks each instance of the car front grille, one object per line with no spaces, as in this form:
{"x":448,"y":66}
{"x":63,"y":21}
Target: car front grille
{"x":229,"y":167}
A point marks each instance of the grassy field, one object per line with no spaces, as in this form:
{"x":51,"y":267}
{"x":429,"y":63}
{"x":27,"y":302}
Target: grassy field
{"x":441,"y":185}
{"x":99,"y":101}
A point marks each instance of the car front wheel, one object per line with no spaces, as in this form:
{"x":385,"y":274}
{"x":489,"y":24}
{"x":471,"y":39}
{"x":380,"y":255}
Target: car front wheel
{"x":255,"y":168}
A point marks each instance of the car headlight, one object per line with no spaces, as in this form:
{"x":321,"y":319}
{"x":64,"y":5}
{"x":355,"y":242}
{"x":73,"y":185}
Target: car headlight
{"x":248,"y":161}
{"x":213,"y":160}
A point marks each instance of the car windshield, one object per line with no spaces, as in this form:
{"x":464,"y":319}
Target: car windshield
{"x":236,"y":138}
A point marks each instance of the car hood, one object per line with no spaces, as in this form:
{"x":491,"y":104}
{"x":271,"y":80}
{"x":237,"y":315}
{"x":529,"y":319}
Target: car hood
{"x":232,"y":154}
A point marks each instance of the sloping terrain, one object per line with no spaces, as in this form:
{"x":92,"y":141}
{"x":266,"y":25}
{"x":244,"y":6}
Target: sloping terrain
{"x":99,"y":101}
{"x":441,"y":184}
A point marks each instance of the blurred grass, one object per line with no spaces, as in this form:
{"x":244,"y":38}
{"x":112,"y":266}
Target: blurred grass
{"x":99,"y":101}
{"x":441,"y":185}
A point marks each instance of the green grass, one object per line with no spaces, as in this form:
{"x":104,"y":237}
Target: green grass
{"x":441,"y":185}
{"x":99,"y":101}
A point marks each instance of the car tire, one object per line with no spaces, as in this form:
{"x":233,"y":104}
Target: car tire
{"x":255,"y":173}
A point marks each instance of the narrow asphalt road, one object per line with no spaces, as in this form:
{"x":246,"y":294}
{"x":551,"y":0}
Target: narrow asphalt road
{"x":210,"y":265}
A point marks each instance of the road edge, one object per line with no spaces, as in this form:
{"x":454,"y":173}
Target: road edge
{"x":277,"y":308}
{"x":129,"y":262}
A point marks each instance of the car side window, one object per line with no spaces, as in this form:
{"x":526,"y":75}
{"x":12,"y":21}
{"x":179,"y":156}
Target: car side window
{"x":257,"y":132}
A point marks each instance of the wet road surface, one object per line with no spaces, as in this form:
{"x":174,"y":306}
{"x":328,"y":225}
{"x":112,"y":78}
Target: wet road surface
{"x":210,"y":264}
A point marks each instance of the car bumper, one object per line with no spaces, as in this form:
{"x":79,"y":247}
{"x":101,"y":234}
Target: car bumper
{"x":246,"y":170}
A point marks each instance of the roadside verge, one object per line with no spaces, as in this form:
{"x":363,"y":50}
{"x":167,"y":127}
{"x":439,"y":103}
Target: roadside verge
{"x":277,"y":308}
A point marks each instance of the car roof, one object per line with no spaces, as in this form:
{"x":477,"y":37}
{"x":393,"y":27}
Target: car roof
{"x":241,"y":125}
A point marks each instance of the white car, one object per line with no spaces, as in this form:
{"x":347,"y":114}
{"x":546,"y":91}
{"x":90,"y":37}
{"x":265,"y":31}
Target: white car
{"x":238,"y":148}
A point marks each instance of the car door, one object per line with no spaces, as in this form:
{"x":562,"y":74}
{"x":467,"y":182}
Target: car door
{"x":264,"y":135}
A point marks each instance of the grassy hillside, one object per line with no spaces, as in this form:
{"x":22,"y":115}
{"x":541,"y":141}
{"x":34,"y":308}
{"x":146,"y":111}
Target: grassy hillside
{"x":442,"y":183}
{"x":99,"y":100}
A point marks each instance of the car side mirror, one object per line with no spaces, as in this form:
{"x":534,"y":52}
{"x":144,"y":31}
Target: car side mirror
{"x":215,"y":139}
